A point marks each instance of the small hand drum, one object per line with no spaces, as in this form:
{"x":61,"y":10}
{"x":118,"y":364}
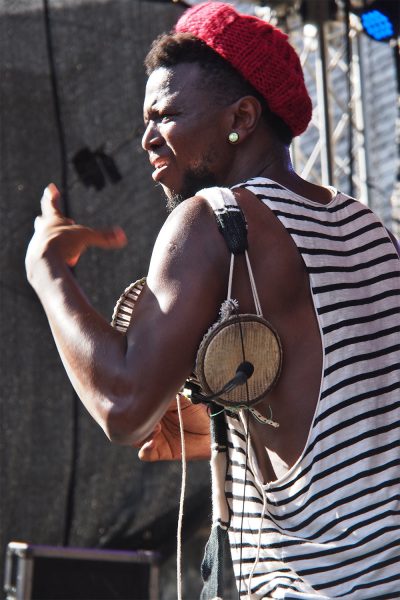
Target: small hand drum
{"x":123,"y":309}
{"x":231,"y":341}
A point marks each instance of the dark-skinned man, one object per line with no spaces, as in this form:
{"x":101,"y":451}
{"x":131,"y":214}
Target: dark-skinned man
{"x":310,"y":504}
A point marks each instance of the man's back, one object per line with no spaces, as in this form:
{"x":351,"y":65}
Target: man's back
{"x":336,"y":505}
{"x":283,"y":285}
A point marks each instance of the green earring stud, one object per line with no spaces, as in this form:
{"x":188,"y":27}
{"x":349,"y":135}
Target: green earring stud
{"x":233,"y":137}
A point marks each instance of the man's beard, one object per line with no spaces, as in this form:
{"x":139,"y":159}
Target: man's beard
{"x":194,"y":180}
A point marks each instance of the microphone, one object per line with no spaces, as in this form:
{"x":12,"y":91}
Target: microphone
{"x":244,"y":371}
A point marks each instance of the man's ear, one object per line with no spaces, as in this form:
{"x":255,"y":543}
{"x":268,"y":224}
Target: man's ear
{"x":245,"y":114}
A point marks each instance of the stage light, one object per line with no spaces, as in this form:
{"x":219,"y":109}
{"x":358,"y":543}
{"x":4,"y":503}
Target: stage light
{"x":380,"y":19}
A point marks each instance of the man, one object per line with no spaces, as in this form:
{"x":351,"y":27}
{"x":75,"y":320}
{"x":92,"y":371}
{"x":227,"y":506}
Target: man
{"x":312,"y":505}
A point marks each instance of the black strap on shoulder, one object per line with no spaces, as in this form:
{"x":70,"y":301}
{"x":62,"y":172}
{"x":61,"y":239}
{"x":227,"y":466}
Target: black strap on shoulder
{"x":229,"y":216}
{"x":232,"y":225}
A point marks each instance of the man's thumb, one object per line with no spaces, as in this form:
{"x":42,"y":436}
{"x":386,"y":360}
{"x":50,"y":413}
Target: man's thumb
{"x":50,"y":202}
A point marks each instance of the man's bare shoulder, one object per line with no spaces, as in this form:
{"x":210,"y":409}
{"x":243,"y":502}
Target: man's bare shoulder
{"x":192,"y":215}
{"x":189,"y":240}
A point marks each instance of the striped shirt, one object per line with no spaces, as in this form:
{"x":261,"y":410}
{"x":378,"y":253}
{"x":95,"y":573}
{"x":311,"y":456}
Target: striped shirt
{"x":330,"y":528}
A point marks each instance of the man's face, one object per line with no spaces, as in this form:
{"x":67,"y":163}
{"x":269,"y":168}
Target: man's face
{"x":185,"y":133}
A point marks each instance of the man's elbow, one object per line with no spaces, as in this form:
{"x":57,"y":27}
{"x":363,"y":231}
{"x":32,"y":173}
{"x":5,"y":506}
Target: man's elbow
{"x":125,"y":426}
{"x":119,"y":437}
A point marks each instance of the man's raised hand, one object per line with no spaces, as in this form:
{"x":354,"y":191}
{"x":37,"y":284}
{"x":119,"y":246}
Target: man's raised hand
{"x":57,"y":236}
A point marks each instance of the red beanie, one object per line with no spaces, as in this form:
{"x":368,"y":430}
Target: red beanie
{"x":260,"y":52}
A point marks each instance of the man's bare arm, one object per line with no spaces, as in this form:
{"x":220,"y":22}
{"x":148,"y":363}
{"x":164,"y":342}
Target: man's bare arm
{"x":127,"y":382}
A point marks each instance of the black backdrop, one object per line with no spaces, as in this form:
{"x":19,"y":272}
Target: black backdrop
{"x":71,"y":112}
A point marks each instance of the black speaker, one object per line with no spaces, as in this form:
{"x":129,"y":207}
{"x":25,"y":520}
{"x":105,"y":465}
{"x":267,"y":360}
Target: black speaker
{"x":59,"y":573}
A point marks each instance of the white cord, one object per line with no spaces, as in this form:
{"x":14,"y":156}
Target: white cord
{"x":181,"y":502}
{"x":253,"y":286}
{"x":232,"y":263}
{"x":252,"y":282}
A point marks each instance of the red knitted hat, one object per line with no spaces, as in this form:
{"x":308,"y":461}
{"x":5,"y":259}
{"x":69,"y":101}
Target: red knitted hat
{"x":260,"y":52}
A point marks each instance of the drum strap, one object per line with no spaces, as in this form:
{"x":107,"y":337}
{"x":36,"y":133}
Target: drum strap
{"x":232,"y":224}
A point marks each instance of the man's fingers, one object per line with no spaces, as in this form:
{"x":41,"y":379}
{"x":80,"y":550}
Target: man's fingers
{"x":50,"y":201}
{"x":149,"y":438}
{"x":107,"y":238}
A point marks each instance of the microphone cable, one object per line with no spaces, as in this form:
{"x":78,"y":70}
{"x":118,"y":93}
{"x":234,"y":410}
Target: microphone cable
{"x":244,"y":371}
{"x":181,"y":503}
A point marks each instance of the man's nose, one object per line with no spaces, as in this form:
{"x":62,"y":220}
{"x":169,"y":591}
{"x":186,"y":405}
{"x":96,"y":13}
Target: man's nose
{"x":151,"y":137}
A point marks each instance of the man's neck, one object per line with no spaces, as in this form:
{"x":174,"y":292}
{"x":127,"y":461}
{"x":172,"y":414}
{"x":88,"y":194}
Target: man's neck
{"x":277,"y":166}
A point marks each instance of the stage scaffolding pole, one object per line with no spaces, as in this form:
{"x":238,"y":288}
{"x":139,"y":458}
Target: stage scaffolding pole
{"x":322,"y":72}
{"x":335,"y":150}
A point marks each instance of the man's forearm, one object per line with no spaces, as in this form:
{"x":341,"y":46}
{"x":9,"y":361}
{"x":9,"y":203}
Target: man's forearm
{"x":93,"y":353}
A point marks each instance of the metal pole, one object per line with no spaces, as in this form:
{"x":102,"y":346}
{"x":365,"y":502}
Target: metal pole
{"x":396,"y":191}
{"x":359,"y":98}
{"x":349,"y":60}
{"x":323,"y":106}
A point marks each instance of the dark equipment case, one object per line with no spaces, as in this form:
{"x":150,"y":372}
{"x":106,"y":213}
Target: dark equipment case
{"x":34,"y":572}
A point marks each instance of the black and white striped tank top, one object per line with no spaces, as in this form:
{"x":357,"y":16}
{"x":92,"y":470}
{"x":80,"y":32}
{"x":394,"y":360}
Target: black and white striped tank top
{"x":330,"y":528}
